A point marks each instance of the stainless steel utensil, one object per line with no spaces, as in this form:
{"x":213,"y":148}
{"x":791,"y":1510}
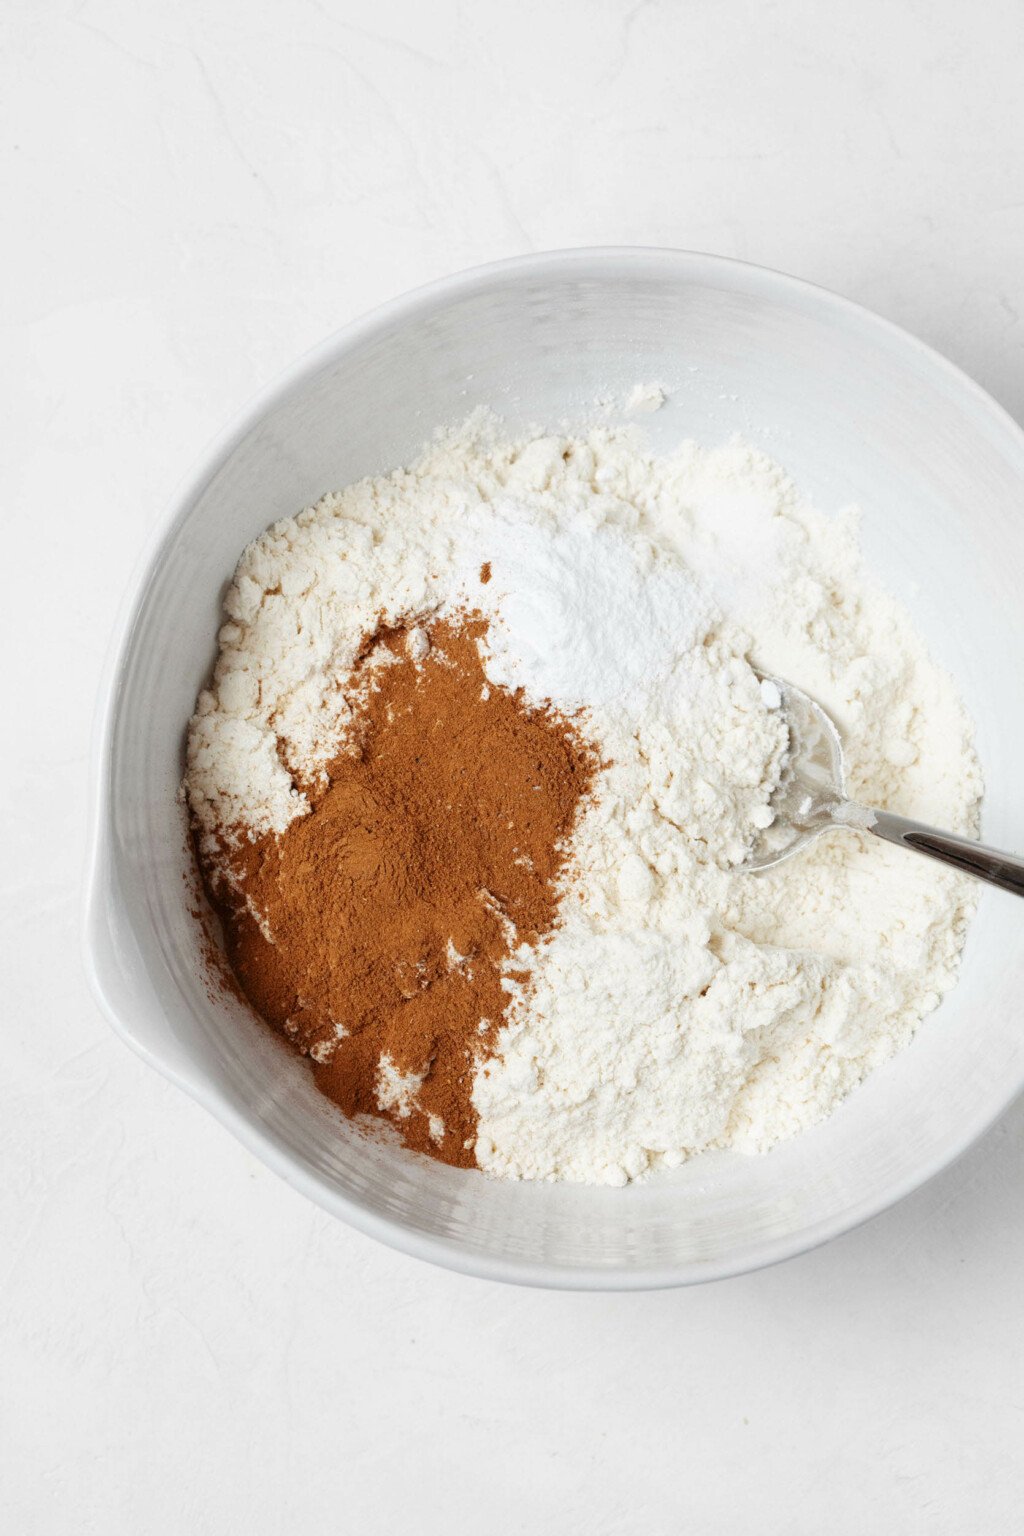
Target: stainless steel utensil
{"x":811,"y":798}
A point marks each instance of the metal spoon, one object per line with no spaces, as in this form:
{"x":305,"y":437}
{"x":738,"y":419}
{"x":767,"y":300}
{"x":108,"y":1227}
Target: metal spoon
{"x":811,"y":799}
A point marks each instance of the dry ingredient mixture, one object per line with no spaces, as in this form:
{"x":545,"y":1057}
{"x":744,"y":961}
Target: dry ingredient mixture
{"x":482,"y":752}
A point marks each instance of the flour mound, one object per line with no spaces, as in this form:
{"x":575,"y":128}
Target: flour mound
{"x":680,"y":1004}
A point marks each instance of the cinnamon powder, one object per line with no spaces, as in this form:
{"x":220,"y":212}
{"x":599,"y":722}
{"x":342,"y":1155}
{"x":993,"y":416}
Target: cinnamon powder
{"x":432,"y":851}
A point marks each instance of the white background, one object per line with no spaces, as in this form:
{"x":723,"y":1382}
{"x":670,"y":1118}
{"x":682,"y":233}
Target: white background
{"x":193,"y":193}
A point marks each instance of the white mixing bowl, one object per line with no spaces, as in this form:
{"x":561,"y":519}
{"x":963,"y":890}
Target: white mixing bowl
{"x":857,"y":411}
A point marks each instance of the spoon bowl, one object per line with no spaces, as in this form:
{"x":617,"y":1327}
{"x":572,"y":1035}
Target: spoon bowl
{"x":813,"y":782}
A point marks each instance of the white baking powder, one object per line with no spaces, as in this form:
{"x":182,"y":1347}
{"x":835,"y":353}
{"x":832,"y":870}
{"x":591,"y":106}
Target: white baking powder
{"x":679,"y":1005}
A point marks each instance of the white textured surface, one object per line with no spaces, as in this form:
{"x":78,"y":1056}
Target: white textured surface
{"x":194,"y":193}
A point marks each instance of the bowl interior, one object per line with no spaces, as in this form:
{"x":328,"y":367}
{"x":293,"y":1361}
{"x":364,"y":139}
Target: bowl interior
{"x":857,"y":412}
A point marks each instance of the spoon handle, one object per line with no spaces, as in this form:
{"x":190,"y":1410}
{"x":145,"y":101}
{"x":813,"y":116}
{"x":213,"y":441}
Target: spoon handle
{"x":1003,"y":869}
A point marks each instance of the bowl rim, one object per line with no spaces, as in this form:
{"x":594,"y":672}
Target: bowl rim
{"x":100,"y":964}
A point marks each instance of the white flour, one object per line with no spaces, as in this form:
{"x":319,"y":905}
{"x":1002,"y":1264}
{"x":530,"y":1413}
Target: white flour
{"x":678,"y":1006}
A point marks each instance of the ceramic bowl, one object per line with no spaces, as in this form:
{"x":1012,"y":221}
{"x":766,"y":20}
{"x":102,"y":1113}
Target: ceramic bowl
{"x":857,"y":411}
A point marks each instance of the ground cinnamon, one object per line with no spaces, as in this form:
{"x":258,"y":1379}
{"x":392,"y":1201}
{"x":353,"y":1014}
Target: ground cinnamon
{"x":432,"y":851}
